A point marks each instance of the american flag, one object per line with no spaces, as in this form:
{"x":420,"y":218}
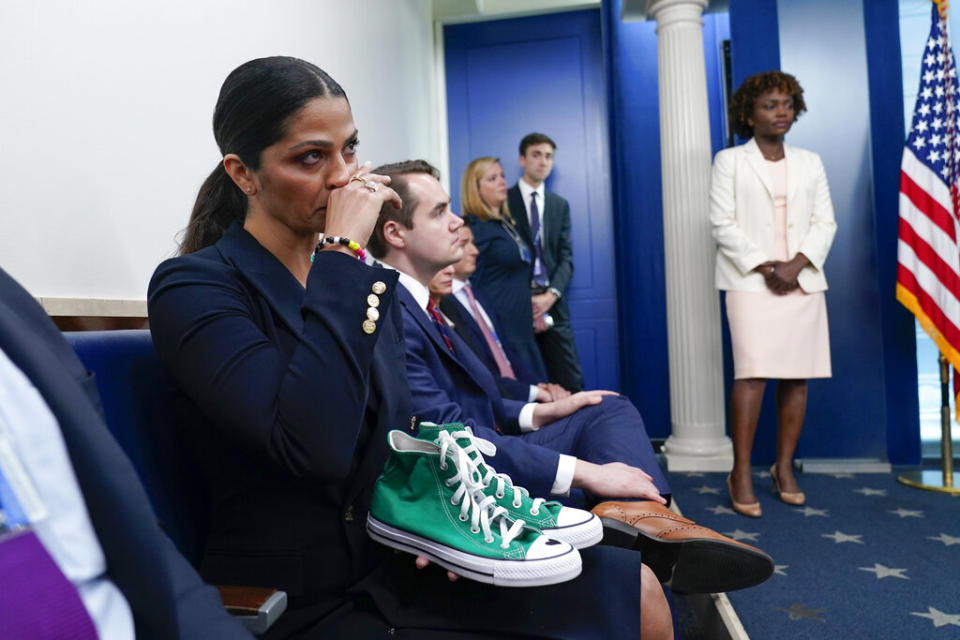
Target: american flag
{"x":928,"y":273}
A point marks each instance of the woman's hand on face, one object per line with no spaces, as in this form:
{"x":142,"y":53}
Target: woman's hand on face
{"x":353,"y":209}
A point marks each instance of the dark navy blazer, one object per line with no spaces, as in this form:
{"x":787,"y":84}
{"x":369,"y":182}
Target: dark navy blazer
{"x":467,"y":327}
{"x":167,"y":597}
{"x":288,"y":401}
{"x":455,"y":386}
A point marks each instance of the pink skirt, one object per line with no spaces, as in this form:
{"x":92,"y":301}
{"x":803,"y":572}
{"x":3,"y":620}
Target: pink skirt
{"x":781,"y":337}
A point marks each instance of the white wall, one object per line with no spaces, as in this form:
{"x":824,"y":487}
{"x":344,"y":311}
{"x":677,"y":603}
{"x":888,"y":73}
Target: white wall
{"x":106,"y":109}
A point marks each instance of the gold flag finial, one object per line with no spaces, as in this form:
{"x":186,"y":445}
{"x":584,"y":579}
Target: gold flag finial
{"x":942,"y":8}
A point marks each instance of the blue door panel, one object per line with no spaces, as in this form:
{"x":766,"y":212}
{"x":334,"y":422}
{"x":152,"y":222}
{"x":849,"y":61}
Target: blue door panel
{"x":507,"y":78}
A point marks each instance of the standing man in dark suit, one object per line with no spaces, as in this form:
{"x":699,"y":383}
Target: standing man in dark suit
{"x":546,"y":228}
{"x":81,"y":552}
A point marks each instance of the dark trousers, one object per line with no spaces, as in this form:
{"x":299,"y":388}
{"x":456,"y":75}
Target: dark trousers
{"x":560,"y":355}
{"x":400,"y":601}
{"x":611,"y":431}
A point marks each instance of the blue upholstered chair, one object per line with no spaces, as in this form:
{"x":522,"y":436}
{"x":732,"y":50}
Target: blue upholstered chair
{"x":138,"y":403}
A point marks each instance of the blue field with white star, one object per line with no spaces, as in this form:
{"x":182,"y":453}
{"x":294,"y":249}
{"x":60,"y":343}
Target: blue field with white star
{"x":866,"y":557}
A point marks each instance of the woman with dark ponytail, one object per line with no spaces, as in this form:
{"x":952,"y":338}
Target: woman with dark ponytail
{"x":244,"y":123}
{"x":289,"y":359}
{"x":266,"y":334}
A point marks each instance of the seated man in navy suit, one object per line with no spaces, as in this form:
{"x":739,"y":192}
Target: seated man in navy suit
{"x":81,"y":552}
{"x":477,"y":324}
{"x":585,"y":448}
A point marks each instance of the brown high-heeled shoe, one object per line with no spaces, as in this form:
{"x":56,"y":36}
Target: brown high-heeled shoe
{"x":796,"y":498}
{"x":751,"y":509}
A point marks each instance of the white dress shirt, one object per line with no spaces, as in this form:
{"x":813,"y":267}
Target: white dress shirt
{"x":525,"y":191}
{"x":567,"y":464}
{"x":31,"y":432}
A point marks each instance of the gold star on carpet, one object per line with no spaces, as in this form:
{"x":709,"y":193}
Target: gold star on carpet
{"x":867,"y":491}
{"x":810,"y":511}
{"x":797,"y":611}
{"x":779,"y":569}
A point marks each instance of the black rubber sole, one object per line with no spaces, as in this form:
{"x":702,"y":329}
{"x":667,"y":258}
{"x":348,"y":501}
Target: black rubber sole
{"x":699,"y":565}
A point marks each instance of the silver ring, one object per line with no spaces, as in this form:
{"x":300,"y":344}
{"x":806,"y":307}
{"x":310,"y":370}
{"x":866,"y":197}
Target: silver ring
{"x":371,"y":185}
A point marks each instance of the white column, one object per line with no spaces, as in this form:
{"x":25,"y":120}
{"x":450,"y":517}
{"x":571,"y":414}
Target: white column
{"x":698,"y":441}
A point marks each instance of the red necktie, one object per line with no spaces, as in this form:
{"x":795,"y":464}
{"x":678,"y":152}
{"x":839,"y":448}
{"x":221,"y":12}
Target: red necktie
{"x":438,"y":320}
{"x":506,"y":371}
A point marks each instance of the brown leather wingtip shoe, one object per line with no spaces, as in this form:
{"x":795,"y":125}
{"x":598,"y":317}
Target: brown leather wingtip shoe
{"x":685,"y":556}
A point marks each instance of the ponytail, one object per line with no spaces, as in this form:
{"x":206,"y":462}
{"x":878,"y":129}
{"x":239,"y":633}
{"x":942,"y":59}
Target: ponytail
{"x":219,"y":204}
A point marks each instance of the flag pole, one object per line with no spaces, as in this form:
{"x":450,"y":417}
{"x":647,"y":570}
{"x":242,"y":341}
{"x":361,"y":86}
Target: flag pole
{"x":946,"y":439}
{"x":948,"y":481}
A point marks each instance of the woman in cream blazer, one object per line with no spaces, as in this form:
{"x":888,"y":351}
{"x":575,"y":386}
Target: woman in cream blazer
{"x":773,"y":223}
{"x":741,"y":210}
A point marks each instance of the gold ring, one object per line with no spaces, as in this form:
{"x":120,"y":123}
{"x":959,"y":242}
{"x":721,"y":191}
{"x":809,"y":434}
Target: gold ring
{"x":358,"y":177}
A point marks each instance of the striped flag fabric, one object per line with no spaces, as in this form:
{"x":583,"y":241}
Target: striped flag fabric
{"x":928,"y":270}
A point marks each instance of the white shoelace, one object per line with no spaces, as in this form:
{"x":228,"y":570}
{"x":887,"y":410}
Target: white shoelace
{"x":480,"y":447}
{"x":479,"y":508}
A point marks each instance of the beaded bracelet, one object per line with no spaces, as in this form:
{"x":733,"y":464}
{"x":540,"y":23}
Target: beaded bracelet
{"x":347,"y":242}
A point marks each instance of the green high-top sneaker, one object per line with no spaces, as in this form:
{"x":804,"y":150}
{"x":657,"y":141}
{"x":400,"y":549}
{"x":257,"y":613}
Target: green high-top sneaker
{"x":578,"y":527}
{"x":431,"y":502}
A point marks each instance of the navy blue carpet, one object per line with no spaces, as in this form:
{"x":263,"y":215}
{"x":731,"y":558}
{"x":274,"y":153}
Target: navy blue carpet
{"x":866,"y":557}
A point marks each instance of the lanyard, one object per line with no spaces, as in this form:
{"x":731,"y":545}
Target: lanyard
{"x":521,"y":245}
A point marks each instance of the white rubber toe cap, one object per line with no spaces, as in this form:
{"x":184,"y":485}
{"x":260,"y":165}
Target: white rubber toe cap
{"x":570,"y":517}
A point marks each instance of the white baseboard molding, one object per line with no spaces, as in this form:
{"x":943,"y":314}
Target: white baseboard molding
{"x":98,"y":307}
